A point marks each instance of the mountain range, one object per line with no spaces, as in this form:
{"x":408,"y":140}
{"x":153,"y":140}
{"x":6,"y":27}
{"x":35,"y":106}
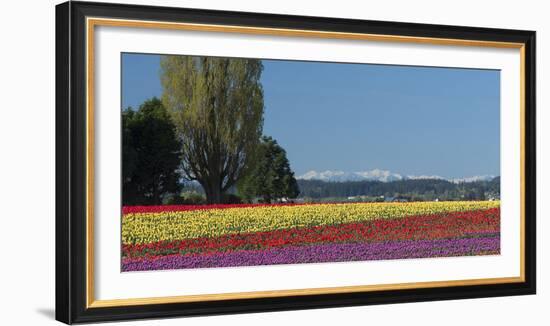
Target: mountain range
{"x":380,"y":175}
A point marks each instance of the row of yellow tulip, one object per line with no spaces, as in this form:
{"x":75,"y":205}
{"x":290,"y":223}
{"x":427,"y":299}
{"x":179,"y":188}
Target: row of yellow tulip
{"x":139,"y":228}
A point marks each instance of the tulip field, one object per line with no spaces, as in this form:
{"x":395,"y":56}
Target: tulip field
{"x":205,"y":236}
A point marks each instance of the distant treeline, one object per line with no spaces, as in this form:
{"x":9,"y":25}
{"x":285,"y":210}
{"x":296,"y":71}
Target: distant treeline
{"x":421,"y":189}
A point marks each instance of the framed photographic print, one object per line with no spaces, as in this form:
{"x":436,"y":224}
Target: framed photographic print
{"x":212,"y":162}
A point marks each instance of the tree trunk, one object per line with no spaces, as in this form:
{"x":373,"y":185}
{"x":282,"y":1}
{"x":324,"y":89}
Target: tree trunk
{"x":215,"y":196}
{"x":213,"y":191}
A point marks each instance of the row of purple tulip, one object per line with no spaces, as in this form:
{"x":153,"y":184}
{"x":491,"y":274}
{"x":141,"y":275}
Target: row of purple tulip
{"x":483,"y":244}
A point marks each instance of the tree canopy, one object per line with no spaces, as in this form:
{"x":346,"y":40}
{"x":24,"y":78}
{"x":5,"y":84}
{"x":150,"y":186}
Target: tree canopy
{"x":150,"y":154}
{"x":217,"y":107}
{"x":271,"y":177}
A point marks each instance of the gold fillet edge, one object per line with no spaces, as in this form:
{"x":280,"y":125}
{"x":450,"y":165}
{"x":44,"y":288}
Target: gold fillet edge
{"x":93,"y":21}
{"x":297,"y":292}
{"x":92,"y":303}
{"x":522,"y":161}
{"x":90,"y":294}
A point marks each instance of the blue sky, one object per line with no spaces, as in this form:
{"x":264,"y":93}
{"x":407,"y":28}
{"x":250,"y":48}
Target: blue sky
{"x":358,"y":117}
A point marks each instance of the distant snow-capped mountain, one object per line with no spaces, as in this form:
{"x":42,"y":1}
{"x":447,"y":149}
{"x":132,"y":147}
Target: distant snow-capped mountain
{"x":474,"y":178}
{"x":339,"y":176}
{"x":424,"y":177}
{"x":380,"y":175}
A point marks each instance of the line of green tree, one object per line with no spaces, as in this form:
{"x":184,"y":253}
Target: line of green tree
{"x":207,"y":128}
{"x":414,"y":190}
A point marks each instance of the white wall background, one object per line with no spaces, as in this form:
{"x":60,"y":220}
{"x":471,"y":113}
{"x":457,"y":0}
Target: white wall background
{"x":27,"y":135}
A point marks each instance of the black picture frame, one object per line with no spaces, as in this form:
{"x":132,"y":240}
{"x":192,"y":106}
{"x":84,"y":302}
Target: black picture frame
{"x":71,"y":157}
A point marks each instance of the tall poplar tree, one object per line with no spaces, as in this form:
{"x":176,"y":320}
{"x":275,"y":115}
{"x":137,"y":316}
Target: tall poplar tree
{"x":217,"y":107}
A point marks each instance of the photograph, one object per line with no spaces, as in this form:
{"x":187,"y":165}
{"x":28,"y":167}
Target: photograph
{"x":238,"y":162}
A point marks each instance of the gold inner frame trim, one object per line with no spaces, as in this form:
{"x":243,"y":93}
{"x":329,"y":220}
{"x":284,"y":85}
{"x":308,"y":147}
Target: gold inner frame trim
{"x":92,"y":22}
{"x":296,"y":292}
